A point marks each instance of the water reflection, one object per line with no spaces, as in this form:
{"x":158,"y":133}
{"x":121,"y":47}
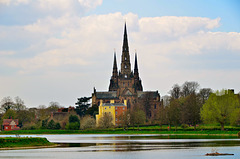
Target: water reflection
{"x":127,"y":146}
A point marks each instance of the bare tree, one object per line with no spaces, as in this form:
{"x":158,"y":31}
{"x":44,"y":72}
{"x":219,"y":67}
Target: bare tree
{"x":53,"y":106}
{"x":204,"y":94}
{"x":166,"y":100}
{"x":7,"y":103}
{"x":19,"y":104}
{"x":189,"y":88}
{"x":175,"y":92}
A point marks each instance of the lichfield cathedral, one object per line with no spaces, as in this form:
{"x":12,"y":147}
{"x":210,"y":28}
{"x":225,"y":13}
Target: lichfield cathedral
{"x":126,"y":85}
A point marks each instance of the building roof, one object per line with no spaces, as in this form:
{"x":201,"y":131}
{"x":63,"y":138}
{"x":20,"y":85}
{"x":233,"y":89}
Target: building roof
{"x":106,"y":95}
{"x":150,"y":94}
{"x":10,"y":121}
{"x":113,"y":104}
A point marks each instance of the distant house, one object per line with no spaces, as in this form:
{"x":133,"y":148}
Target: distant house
{"x":10,"y":124}
{"x":116,"y":110}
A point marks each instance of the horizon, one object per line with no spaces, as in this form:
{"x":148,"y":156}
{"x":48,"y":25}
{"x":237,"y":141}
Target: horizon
{"x":58,"y":51}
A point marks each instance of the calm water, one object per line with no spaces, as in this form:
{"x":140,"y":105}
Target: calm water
{"x":127,"y":146}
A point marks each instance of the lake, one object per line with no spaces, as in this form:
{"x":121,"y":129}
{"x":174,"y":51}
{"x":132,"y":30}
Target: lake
{"x":127,"y":146}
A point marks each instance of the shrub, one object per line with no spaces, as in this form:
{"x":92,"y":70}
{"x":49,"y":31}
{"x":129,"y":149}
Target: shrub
{"x":73,"y":126}
{"x":88,"y":122}
{"x":184,"y":126}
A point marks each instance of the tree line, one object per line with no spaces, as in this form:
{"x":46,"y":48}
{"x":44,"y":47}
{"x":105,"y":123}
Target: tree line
{"x":186,"y":105}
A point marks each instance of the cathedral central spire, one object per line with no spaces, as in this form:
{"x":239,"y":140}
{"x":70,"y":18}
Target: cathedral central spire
{"x":125,"y":64}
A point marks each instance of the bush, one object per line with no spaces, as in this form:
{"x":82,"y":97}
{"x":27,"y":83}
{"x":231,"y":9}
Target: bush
{"x":51,"y":125}
{"x":58,"y":126}
{"x":88,"y":122}
{"x":184,"y":126}
{"x":73,"y":126}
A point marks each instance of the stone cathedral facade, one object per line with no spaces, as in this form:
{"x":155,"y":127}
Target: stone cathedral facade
{"x":126,"y":85}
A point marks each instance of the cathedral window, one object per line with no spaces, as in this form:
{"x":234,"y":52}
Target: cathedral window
{"x":125,"y":76}
{"x":125,"y":66}
{"x":125,"y":59}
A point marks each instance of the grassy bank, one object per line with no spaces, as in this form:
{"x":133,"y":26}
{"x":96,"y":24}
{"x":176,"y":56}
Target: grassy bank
{"x":130,"y":131}
{"x":13,"y":142}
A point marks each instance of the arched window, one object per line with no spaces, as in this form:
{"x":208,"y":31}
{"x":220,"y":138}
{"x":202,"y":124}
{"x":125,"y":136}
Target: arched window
{"x":125,"y":66}
{"x":125,"y":76}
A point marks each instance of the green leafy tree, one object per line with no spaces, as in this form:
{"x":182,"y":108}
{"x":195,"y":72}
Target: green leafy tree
{"x":57,"y":126}
{"x":25,"y":116}
{"x":10,"y":114}
{"x":137,"y":117}
{"x":190,"y":110}
{"x":51,"y":125}
{"x":82,"y":105}
{"x":173,"y":113}
{"x":93,"y":110}
{"x":220,"y":107}
{"x":74,"y":122}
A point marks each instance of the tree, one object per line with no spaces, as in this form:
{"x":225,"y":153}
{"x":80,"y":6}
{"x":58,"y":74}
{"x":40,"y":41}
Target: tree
{"x":190,"y":110}
{"x":53,"y":107}
{"x":137,"y":117}
{"x":175,"y":92}
{"x":83,"y":104}
{"x":204,"y":94}
{"x":88,"y":122}
{"x":51,"y":125}
{"x":25,"y":116}
{"x":42,"y":112}
{"x":106,"y":121}
{"x":166,"y":100}
{"x":173,"y":113}
{"x":220,"y":107}
{"x":9,"y":114}
{"x":7,"y":103}
{"x":189,"y":88}
{"x":74,"y":123}
{"x":93,"y":110}
{"x":19,"y":104}
{"x":125,"y":119}
{"x":161,"y":116}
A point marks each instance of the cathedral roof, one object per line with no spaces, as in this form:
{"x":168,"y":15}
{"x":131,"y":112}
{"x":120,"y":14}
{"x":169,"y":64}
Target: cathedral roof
{"x":106,"y":95}
{"x":151,"y":94}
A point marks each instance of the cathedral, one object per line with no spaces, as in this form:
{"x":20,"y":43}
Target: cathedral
{"x":126,"y":85}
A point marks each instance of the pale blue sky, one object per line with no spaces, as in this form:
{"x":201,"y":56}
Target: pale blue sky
{"x":227,"y":10}
{"x":59,"y":50}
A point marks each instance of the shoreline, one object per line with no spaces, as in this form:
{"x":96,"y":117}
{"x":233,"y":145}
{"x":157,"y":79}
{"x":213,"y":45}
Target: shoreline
{"x":28,"y":147}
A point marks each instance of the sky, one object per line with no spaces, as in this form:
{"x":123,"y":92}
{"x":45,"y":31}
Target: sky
{"x":58,"y":50}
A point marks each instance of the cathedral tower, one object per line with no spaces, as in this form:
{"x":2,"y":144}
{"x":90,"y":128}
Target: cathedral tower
{"x":125,"y":64}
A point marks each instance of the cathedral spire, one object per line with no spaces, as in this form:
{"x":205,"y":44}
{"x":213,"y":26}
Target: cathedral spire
{"x":136,"y":74}
{"x":125,"y":63}
{"x":115,"y":71}
{"x":135,"y":65}
{"x":125,"y":39}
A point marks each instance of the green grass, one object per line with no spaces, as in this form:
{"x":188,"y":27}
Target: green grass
{"x":10,"y":142}
{"x":201,"y":130}
{"x":120,"y":131}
